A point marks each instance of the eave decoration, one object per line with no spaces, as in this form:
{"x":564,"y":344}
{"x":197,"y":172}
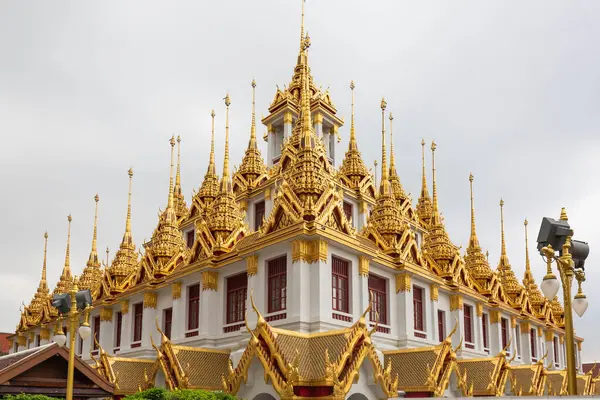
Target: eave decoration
{"x":485,"y":376}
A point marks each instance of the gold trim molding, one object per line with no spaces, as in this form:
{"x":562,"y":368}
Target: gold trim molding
{"x":579,"y":345}
{"x":318,"y":118}
{"x":540,"y":331}
{"x":252,"y":265}
{"x":150,"y":300}
{"x":31,"y":336}
{"x":513,"y":322}
{"x":549,"y":335}
{"x":45,"y":334}
{"x":21,"y":341}
{"x":403,"y":282}
{"x":456,"y":302}
{"x":434,"y":291}
{"x":124,"y":307}
{"x":209,"y":280}
{"x":479,"y":309}
{"x":309,"y":250}
{"x":363,"y":265}
{"x":106,"y":314}
{"x":287,"y":118}
{"x":525,"y":327}
{"x":176,"y":290}
{"x":495,"y":316}
{"x":561,"y":339}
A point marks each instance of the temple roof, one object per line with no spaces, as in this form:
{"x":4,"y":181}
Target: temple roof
{"x":129,"y":375}
{"x":485,"y":376}
{"x":209,"y":189}
{"x":556,"y":383}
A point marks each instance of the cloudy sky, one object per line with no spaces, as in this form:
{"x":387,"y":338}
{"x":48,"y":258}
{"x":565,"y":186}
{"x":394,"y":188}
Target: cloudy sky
{"x":509,"y":90}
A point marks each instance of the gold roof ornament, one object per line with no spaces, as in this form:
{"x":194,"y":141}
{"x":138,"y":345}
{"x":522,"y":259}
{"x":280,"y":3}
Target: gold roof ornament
{"x":353,"y":173}
{"x":539,"y":303}
{"x":180,"y":207}
{"x":484,"y":278}
{"x":91,"y":278}
{"x":117,"y":275}
{"x":441,"y":253}
{"x":558,"y":312}
{"x":424,"y":206}
{"x":252,"y":171}
{"x":517,"y":296}
{"x":209,"y":189}
{"x":224,"y":225}
{"x":399,"y":193}
{"x":38,"y":308}
{"x":66,"y":278}
{"x":166,"y":249}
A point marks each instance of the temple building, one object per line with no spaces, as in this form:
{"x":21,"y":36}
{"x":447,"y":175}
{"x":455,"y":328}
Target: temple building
{"x":292,"y":277}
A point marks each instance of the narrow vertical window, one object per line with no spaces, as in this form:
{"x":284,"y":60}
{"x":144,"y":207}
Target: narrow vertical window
{"x":259,"y":214}
{"x":441,"y":325}
{"x":504,"y":328}
{"x":138,"y":313}
{"x":518,"y":340}
{"x":555,"y":343}
{"x":339,"y":282}
{"x":118,"y":323}
{"x":96,"y":332}
{"x":378,"y":291}
{"x":237,"y":288}
{"x":348,"y":210}
{"x":167,"y":321}
{"x":193,"y":295}
{"x":37,"y":340}
{"x":468,"y":319}
{"x":277,"y":283}
{"x":533,"y":343}
{"x":484,"y":329}
{"x":80,"y":345}
{"x":418,"y":309}
{"x":189,"y":238}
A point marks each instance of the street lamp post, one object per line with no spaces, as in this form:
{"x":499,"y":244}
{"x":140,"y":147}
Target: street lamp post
{"x":73,"y":305}
{"x":557,"y":233}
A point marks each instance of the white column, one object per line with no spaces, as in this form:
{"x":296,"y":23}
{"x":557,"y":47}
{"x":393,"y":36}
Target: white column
{"x":363,"y":214}
{"x":318,"y":126}
{"x":149,"y":320}
{"x":301,"y":287}
{"x":320,"y":288}
{"x":287,"y":126}
{"x":331,"y":145}
{"x":107,"y":331}
{"x":270,"y":145}
{"x":178,"y":293}
{"x":526,"y":343}
{"x":549,"y":338}
{"x":495,"y":332}
{"x":406,"y":328}
{"x":433,"y":297}
{"x":478,"y":327}
{"x":457,"y":313}
{"x":211,"y":321}
{"x":126,"y":325}
{"x":45,"y":335}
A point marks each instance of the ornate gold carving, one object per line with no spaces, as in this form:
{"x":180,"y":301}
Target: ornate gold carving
{"x":209,"y":280}
{"x":268,"y":193}
{"x":287,"y":117}
{"x":124,"y":307}
{"x":456,"y":302}
{"x":525,"y":327}
{"x":45,"y":334}
{"x":513,"y":322}
{"x":479,"y":309}
{"x":21,"y":341}
{"x":549,"y":335}
{"x":318,"y":118}
{"x":176,"y":290}
{"x":540,"y":331}
{"x":434,"y":291}
{"x":495,"y":316}
{"x":363,"y":265}
{"x":561,"y":339}
{"x":252,"y":265}
{"x":309,"y":250}
{"x":403,"y":282}
{"x":243,"y":205}
{"x":364,"y":207}
{"x":150,"y":299}
{"x":106,"y":314}
{"x":31,"y":336}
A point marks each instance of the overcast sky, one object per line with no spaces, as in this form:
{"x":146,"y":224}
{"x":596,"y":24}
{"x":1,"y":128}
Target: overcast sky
{"x":509,"y":90}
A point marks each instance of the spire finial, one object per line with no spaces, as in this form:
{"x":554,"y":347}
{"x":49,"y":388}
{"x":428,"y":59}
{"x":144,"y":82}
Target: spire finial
{"x":392,"y":158}
{"x":252,"y":143}
{"x":225,"y":179}
{"x":503,"y":251}
{"x":128,"y":221}
{"x":43,"y":280}
{"x":178,"y":175}
{"x":306,"y":117}
{"x":436,"y":211}
{"x":473,"y":241}
{"x":107,"y":251}
{"x":424,"y":190}
{"x":527,"y":264}
{"x":170,"y":199}
{"x":384,"y":187}
{"x":211,"y":164}
{"x":95,"y":236}
{"x":67,"y":269}
{"x":353,"y":145}
{"x":302,"y":28}
{"x":563,"y":214}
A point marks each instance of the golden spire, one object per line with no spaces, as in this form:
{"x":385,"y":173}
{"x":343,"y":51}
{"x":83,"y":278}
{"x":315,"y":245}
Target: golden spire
{"x":225,"y":184}
{"x":352,"y":145}
{"x":394,"y":179}
{"x":503,"y":249}
{"x":91,"y":276}
{"x":507,"y":276}
{"x":252,"y":164}
{"x":181,"y":209}
{"x":424,"y":207}
{"x":527,"y":264}
{"x":302,"y":25}
{"x":178,"y":175}
{"x":43,"y":281}
{"x":107,"y":252}
{"x":37,"y":303}
{"x":66,"y":279}
{"x":535,"y":295}
{"x":170,"y":200}
{"x":210,"y":185}
{"x":128,"y":220}
{"x":473,"y":241}
{"x":307,"y":127}
{"x":211,"y":164}
{"x":436,"y":212}
{"x":384,"y":186}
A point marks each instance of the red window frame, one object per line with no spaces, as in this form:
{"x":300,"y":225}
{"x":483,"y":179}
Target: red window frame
{"x":167,"y":321}
{"x":348,"y":210}
{"x":504,"y":329}
{"x":189,"y":238}
{"x":138,"y":315}
{"x":237,"y":289}
{"x":533,"y":343}
{"x":468,"y":319}
{"x":484,"y":329}
{"x":378,"y":291}
{"x":118,"y":328}
{"x":96,"y":332}
{"x":193,"y":296}
{"x":277,"y":284}
{"x":259,"y":213}
{"x":340,"y":284}
{"x":441,"y":325}
{"x":418,"y":316}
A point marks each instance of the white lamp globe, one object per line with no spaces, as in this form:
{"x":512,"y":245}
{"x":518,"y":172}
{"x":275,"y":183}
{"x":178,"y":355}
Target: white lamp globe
{"x":550,"y":286}
{"x":580,"y":304}
{"x":85,"y":332}
{"x":60,"y":339}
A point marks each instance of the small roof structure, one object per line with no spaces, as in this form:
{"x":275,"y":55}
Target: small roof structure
{"x":43,"y":370}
